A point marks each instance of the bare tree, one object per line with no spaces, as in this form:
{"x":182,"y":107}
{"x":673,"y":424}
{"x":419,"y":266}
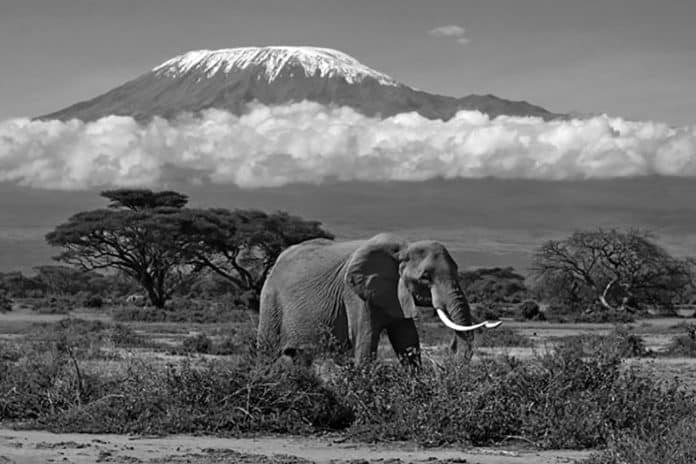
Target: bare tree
{"x":618,"y":270}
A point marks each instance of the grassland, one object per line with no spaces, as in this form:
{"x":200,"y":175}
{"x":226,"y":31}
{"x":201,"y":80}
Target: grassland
{"x":533,"y":392}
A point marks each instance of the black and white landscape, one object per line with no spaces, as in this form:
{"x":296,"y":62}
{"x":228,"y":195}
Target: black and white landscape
{"x":165,"y":166}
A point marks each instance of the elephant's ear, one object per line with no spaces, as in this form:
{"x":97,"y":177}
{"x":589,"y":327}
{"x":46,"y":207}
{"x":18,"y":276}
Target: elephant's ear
{"x":373,"y":273}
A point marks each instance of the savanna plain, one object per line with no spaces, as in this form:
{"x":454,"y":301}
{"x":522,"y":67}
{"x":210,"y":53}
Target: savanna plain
{"x":122,"y":383}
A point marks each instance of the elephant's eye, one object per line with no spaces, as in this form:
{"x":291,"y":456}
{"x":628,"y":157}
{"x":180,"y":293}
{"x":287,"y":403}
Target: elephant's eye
{"x":424,"y":277}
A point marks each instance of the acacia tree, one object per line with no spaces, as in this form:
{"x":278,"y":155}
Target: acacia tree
{"x":139,"y":234}
{"x":614,"y":269}
{"x":158,"y":242}
{"x":242,"y":245}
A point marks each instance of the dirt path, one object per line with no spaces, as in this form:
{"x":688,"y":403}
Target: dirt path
{"x":30,"y":447}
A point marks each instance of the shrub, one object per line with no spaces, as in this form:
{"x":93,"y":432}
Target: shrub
{"x":9,"y":351}
{"x":93,"y":301}
{"x":560,"y":400}
{"x":487,"y":312}
{"x":195,"y":311}
{"x":84,"y":338}
{"x":493,"y":285}
{"x":682,"y":346}
{"x":149,"y":398}
{"x":54,"y":305}
{"x":502,"y":336}
{"x":530,"y":310}
{"x":676,"y":445}
{"x":619,"y":343}
{"x":5,"y":302}
{"x":604,"y":316}
{"x":564,"y":313}
{"x":199,"y":343}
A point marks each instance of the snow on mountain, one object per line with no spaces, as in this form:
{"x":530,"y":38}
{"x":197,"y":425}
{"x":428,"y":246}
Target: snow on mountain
{"x":229,"y":79}
{"x":323,"y":62}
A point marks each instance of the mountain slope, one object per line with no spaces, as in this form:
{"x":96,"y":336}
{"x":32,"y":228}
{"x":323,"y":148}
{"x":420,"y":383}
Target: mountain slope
{"x":231,"y":78}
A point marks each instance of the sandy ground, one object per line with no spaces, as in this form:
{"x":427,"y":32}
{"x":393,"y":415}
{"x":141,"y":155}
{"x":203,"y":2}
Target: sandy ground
{"x":30,"y":447}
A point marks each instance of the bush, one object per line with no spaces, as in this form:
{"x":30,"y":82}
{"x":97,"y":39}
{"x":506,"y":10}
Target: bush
{"x":564,"y":313}
{"x":54,"y":305}
{"x":195,"y":311}
{"x":493,"y":285}
{"x":561,"y":399}
{"x":619,"y":343}
{"x":502,"y":336}
{"x":530,"y":311}
{"x":93,"y":301}
{"x":9,"y":351}
{"x":676,"y":445}
{"x":682,"y":346}
{"x":5,"y":302}
{"x":199,"y":343}
{"x":84,"y":338}
{"x":149,"y":398}
{"x":557,"y":401}
{"x":486,"y":312}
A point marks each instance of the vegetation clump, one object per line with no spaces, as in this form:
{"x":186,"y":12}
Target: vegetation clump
{"x":610,"y":270}
{"x":683,"y":345}
{"x":558,"y":400}
{"x":199,"y":343}
{"x":493,"y":285}
{"x":163,"y":246}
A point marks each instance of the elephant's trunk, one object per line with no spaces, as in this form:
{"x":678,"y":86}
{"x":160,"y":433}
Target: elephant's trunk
{"x":453,"y":309}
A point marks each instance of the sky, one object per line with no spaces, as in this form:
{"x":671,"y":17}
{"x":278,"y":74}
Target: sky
{"x":630,"y":58}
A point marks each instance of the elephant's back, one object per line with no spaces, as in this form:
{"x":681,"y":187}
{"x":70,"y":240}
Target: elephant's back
{"x":317,"y":255}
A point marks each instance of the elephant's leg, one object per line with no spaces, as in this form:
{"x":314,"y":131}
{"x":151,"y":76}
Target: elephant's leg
{"x":403,"y":337}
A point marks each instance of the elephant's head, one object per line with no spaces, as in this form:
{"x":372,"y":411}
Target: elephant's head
{"x":395,"y":276}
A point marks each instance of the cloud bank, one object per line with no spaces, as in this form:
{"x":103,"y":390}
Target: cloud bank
{"x":450,"y":31}
{"x":308,"y":142}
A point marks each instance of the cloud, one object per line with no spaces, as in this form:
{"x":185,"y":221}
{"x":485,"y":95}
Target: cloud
{"x":308,"y":142}
{"x":451,"y":31}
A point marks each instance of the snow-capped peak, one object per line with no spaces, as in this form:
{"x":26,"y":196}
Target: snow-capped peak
{"x":324,"y":61}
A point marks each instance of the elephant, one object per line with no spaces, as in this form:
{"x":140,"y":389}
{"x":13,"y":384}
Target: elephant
{"x":355,"y":290}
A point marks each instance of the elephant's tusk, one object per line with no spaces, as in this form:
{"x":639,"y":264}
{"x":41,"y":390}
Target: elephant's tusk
{"x":464,"y":328}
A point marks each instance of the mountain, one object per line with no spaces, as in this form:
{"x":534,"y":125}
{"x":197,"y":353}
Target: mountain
{"x":231,"y":78}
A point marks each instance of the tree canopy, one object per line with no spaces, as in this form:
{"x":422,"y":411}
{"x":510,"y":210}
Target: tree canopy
{"x":158,"y":242}
{"x":242,"y":245}
{"x":140,"y":235}
{"x":611,"y":268}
